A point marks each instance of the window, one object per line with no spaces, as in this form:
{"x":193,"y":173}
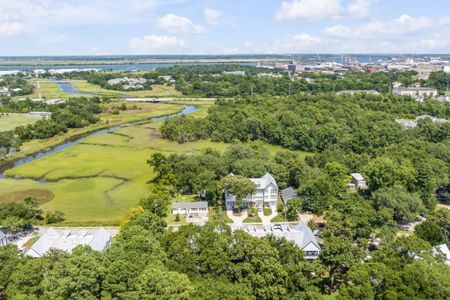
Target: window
{"x":311,"y":253}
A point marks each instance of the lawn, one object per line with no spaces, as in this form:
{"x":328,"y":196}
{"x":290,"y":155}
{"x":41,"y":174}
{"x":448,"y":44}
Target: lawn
{"x":144,"y":111}
{"x":254,"y":219}
{"x":96,"y":181}
{"x":10,"y":121}
{"x":279,"y":218}
{"x":267,"y":211}
{"x":47,"y":89}
{"x":157,"y":90}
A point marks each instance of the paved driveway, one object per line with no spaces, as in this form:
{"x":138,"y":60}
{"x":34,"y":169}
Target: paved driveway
{"x":266,"y":219}
{"x":237,"y":220}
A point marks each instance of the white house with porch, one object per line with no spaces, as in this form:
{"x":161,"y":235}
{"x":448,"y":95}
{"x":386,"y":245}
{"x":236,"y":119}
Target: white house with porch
{"x":186,"y":208}
{"x":266,"y":194}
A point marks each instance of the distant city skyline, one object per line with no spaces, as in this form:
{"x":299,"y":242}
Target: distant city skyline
{"x":146,"y":27}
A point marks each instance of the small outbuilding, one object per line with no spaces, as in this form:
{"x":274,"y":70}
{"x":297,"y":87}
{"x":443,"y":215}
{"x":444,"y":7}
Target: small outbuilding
{"x":359,"y":181}
{"x":288,"y":194}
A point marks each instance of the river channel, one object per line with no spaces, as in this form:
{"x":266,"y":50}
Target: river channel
{"x":188,"y":109}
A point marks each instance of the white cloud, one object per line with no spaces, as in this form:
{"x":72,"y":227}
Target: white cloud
{"x":157,"y":44}
{"x":300,"y":43}
{"x":309,"y":10}
{"x":386,"y":29}
{"x":403,"y":34}
{"x":359,"y":8}
{"x":179,"y":25}
{"x":317,"y":10}
{"x":306,"y":39}
{"x":10,"y":29}
{"x":212,"y":16}
{"x":24,"y":16}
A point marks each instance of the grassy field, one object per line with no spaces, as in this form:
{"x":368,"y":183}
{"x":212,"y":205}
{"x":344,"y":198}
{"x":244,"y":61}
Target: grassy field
{"x":157,"y":90}
{"x":143,"y":111}
{"x":47,"y":89}
{"x":50,"y":90}
{"x":101,"y":178}
{"x":10,"y":121}
{"x":97,"y":181}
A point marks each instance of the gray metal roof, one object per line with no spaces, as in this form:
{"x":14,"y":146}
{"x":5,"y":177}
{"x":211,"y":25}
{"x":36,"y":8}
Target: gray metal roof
{"x":300,"y":234}
{"x":101,"y":240}
{"x":190,"y":205}
{"x":308,"y":236}
{"x":98,"y":239}
{"x":265,"y":181}
{"x":2,"y":235}
{"x":288,"y":193}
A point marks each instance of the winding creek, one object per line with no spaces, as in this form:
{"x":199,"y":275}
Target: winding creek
{"x":188,"y":109}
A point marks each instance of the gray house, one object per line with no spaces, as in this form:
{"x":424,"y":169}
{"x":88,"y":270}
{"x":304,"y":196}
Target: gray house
{"x":3,"y":240}
{"x":287,"y":194}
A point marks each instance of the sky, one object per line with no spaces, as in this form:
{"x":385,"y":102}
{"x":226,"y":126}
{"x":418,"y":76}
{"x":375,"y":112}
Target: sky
{"x":119,"y":27}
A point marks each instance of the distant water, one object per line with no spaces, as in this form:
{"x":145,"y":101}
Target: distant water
{"x":69,"y":88}
{"x":113,"y":67}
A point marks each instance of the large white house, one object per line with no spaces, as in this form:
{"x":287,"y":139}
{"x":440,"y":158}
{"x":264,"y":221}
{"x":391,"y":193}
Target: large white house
{"x":97,"y":239}
{"x":266,"y":194}
{"x":301,"y":235}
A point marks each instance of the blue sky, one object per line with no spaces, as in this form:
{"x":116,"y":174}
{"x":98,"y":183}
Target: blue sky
{"x":103,"y":27}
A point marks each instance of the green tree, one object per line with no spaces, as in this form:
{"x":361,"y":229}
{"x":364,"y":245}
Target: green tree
{"x":385,"y":172}
{"x":294,"y":207}
{"x":338,"y":255}
{"x":54,"y":217}
{"x":431,"y":232}
{"x":239,"y":186}
{"x":155,"y":283}
{"x":405,"y":206}
{"x":9,"y":258}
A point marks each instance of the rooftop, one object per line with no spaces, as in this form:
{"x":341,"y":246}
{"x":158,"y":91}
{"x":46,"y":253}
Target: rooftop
{"x":97,"y":239}
{"x":299,"y":234}
{"x":415,"y":89}
{"x":357,"y":176}
{"x":263,"y":182}
{"x":288,"y":193}
{"x":190,"y":205}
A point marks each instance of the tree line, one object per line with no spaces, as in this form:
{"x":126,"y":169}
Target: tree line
{"x":148,"y":261}
{"x":75,"y":113}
